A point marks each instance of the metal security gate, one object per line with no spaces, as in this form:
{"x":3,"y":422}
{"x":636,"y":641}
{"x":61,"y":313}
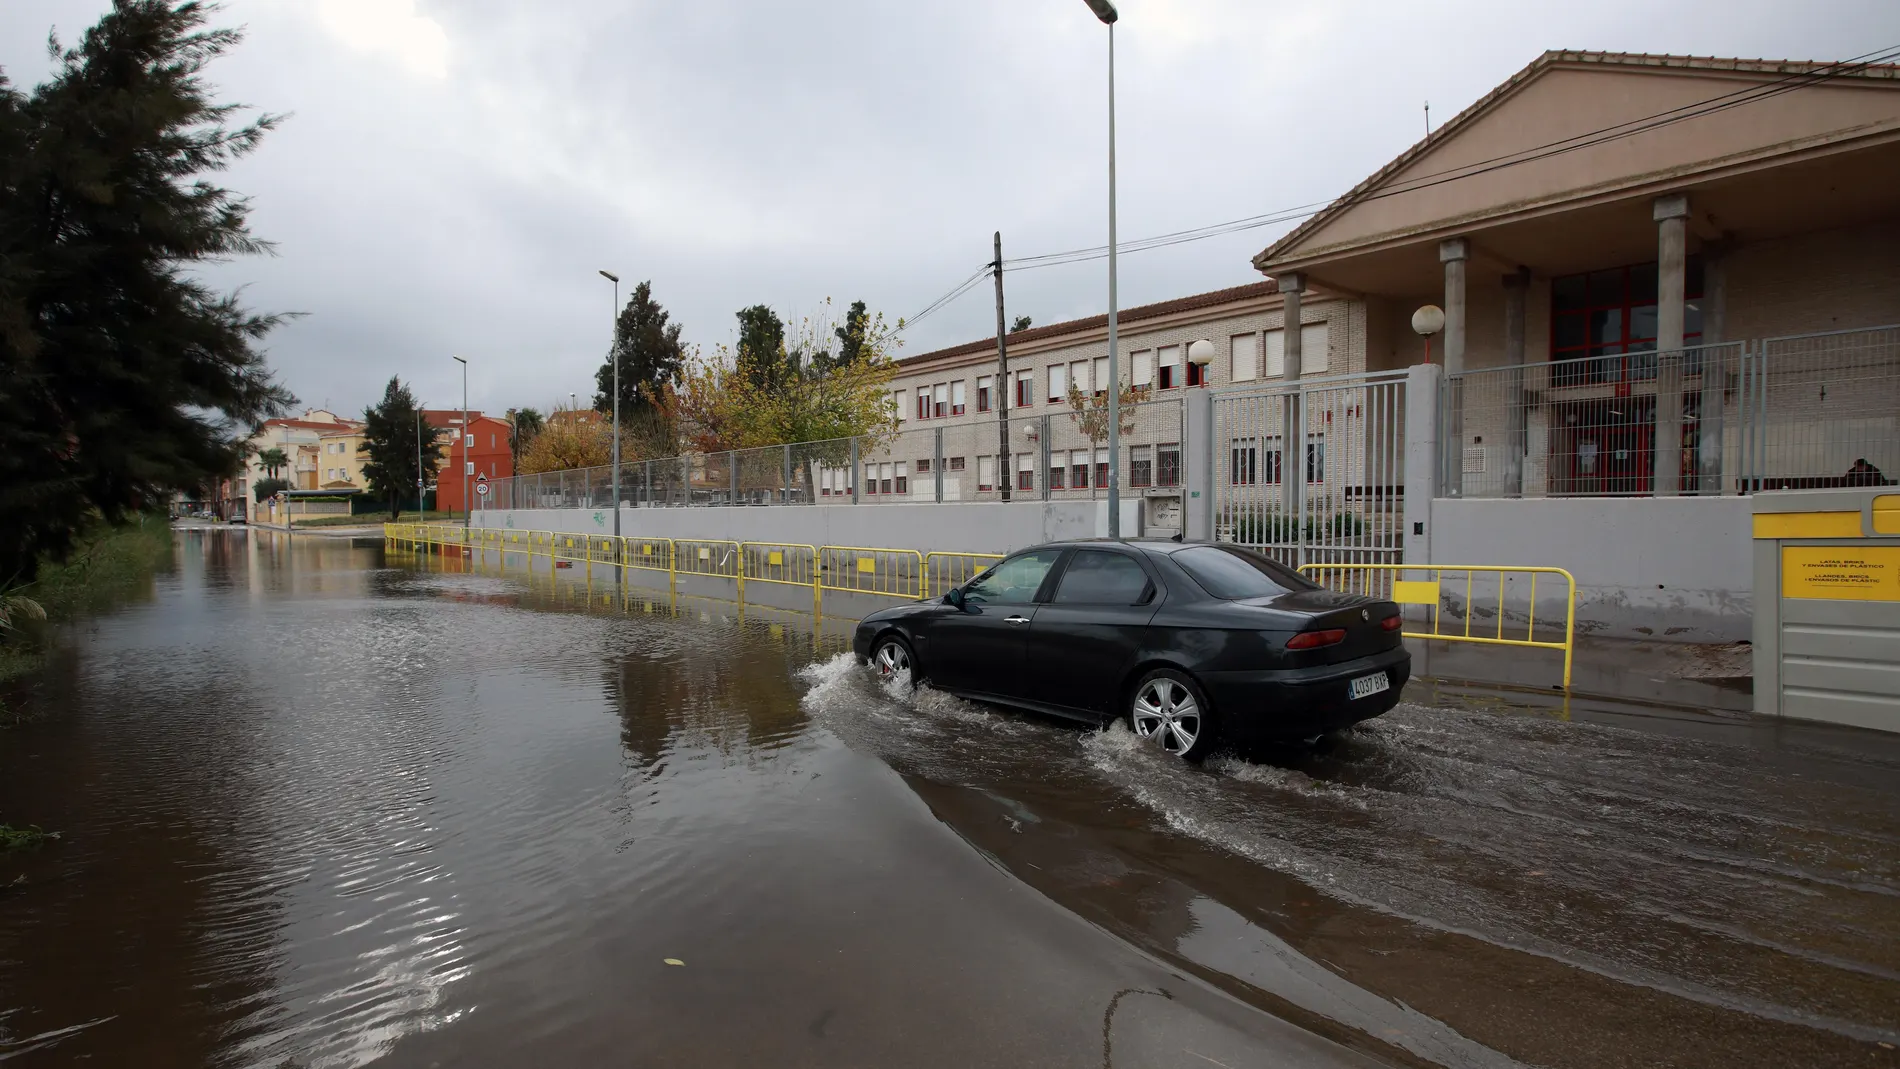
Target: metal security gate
{"x":1313,"y":472}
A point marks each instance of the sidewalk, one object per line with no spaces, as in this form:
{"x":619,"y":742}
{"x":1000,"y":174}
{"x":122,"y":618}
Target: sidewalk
{"x":1717,"y":677}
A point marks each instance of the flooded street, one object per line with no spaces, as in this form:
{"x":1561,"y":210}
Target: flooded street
{"x":325,"y":805}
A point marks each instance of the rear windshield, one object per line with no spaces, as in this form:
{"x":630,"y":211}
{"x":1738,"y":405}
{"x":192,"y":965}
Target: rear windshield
{"x":1233,"y":573}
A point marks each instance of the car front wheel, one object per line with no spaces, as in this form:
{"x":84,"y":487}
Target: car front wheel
{"x":892,"y":660}
{"x":1168,"y":708}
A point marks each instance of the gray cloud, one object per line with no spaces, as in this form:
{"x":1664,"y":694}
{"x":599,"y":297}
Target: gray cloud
{"x":453,"y":174}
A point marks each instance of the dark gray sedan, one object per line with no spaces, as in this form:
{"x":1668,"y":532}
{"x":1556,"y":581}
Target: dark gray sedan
{"x":1193,"y":644}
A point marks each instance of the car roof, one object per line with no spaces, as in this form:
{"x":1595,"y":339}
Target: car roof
{"x":1162,"y":546}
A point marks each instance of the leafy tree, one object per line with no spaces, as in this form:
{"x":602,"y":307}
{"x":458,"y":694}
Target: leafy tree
{"x":390,"y":443}
{"x":648,"y":350}
{"x":274,"y":461}
{"x":762,"y":359}
{"x":717,"y":406}
{"x":853,"y":337}
{"x":1020,"y":324}
{"x":569,"y":440}
{"x":1090,"y":411}
{"x":524,"y":424}
{"x":122,"y":375}
{"x":265,"y":489}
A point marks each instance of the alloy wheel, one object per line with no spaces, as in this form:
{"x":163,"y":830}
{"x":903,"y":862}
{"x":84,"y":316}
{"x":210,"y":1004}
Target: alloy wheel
{"x":892,"y":661}
{"x":1166,"y":711}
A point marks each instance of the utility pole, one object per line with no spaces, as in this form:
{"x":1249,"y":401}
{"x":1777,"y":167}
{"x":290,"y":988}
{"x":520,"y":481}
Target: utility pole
{"x":465,"y":436}
{"x":421,"y":516}
{"x":1004,"y":474}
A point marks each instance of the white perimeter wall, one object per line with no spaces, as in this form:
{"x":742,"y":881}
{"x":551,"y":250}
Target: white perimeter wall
{"x":1678,"y":568}
{"x":975,"y":527}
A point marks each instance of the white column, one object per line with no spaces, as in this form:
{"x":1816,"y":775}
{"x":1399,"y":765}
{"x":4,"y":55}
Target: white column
{"x":1453,"y":253}
{"x":1672,"y":236}
{"x":1292,"y":428}
{"x":1716,"y":364}
{"x":1511,"y":462}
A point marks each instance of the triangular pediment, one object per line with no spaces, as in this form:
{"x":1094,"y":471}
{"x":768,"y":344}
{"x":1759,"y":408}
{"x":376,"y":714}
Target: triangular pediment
{"x":1574,"y":127}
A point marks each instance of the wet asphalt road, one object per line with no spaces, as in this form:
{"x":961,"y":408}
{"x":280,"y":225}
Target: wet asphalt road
{"x":324,"y":809}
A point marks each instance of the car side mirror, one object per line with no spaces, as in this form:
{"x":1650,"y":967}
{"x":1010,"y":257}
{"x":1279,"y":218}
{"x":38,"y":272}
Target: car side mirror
{"x":954,"y":597}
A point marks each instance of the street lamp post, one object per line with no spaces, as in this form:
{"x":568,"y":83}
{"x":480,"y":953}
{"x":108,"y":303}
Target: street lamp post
{"x":614,"y":355}
{"x":465,"y":437}
{"x":1105,"y":10}
{"x":421,"y":516}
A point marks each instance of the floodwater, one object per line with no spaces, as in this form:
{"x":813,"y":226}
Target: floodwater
{"x":324,"y":806}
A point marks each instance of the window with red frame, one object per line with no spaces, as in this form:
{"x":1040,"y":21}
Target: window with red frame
{"x":1025,"y":389}
{"x":1079,"y":469}
{"x":1101,"y":468}
{"x":983,"y":393}
{"x":923,"y":402}
{"x":923,"y":467}
{"x":1604,"y":322}
{"x":941,"y":408}
{"x":956,"y":398}
{"x":956,"y":463}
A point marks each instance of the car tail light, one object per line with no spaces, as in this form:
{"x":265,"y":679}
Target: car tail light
{"x":1312,"y":640}
{"x":1392,"y":623}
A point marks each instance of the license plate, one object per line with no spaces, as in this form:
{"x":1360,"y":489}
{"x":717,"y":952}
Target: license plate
{"x":1366,"y":686}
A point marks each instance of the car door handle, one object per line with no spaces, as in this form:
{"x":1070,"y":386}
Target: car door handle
{"x":1015,"y":619}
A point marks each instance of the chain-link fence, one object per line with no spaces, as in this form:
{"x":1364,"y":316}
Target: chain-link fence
{"x":1819,"y":410}
{"x":1048,"y":455}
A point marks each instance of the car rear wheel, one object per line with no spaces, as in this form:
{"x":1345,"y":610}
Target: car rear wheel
{"x":892,"y":660}
{"x":1168,"y":708}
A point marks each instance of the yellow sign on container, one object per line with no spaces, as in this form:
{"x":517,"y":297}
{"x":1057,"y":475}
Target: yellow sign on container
{"x":1841,"y":573}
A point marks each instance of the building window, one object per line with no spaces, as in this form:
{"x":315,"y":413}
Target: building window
{"x":941,"y":407}
{"x":923,"y":467}
{"x":1058,"y":383}
{"x":1102,"y":376}
{"x":1246,"y":357}
{"x":923,"y":402}
{"x":1141,"y":466}
{"x":1314,"y":339}
{"x":1101,"y":468}
{"x":897,"y":405}
{"x":1196,"y":374}
{"x":903,"y":479}
{"x":468,"y":441}
{"x":1167,"y":367}
{"x":1316,"y":462}
{"x":1168,"y":464}
{"x":956,"y":463}
{"x":956,"y":398}
{"x":1144,"y":364}
{"x":870,"y":479}
{"x":985,"y":473}
{"x":1058,"y":475}
{"x":983,"y":393}
{"x":1079,"y":469}
{"x":1025,"y":472}
{"x":1079,"y":376}
{"x":1025,"y":389}
{"x":1244,"y":463}
{"x":1605,"y":321}
{"x":885,"y":485}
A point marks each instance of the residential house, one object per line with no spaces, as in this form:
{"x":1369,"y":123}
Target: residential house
{"x":480,"y":449}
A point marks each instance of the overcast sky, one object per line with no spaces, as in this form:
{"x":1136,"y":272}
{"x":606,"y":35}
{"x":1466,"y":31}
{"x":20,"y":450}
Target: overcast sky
{"x":453,"y":172}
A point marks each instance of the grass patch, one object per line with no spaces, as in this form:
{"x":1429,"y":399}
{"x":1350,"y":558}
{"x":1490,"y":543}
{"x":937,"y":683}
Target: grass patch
{"x":12,"y":838}
{"x":109,"y":566}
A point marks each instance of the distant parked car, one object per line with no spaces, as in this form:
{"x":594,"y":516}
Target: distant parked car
{"x":239,"y":520}
{"x":1192,"y":644}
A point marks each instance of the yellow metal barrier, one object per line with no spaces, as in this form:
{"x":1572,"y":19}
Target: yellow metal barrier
{"x":1436,"y":591}
{"x":944,"y":570}
{"x":897,"y":573}
{"x":704,"y":556}
{"x":789,"y":563}
{"x":654,"y":554}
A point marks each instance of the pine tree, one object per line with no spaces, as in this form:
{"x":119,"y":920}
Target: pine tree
{"x":390,"y":445}
{"x":122,"y":376}
{"x":650,"y":353}
{"x":761,"y":358}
